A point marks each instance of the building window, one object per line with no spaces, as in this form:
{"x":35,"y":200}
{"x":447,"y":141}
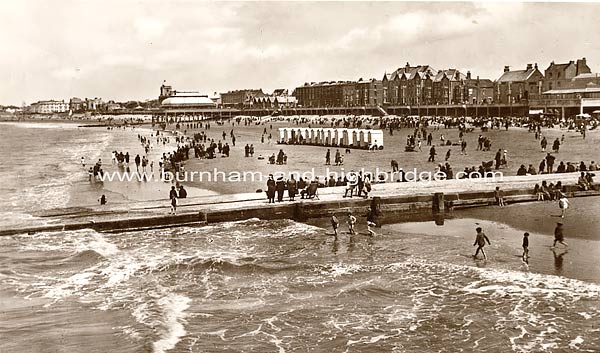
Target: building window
{"x":559,"y":75}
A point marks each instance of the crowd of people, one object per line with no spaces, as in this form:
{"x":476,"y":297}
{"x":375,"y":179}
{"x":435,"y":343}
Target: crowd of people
{"x":206,"y":146}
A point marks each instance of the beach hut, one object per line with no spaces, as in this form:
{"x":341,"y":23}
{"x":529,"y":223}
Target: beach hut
{"x":377,"y":138}
{"x":281,"y":134}
{"x":345,"y":137}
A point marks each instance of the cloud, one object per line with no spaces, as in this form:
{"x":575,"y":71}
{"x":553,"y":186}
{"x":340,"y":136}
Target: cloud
{"x":66,"y":73}
{"x":149,"y":28}
{"x":89,"y":48}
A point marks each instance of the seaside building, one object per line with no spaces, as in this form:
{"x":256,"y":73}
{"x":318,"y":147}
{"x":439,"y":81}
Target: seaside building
{"x":369,"y":93}
{"x":585,"y":80}
{"x":112,"y":106}
{"x":95,"y":104}
{"x":166,"y":91}
{"x":518,"y":86}
{"x":216,"y":98}
{"x":49,"y":107}
{"x":559,"y":76}
{"x":77,"y":105}
{"x":478,"y":91}
{"x":187,"y":100}
{"x":326,"y":94}
{"x":448,"y":87}
{"x":279,"y":99}
{"x":170,"y":99}
{"x":243,"y":98}
{"x":274,"y":102}
{"x":409,"y":85}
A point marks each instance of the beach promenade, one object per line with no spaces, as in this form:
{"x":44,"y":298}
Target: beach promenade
{"x":395,"y":201}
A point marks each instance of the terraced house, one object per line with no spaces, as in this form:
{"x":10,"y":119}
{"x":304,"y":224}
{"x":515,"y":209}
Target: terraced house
{"x":409,"y":85}
{"x":559,"y":76}
{"x":518,"y":86}
{"x":448,"y":87}
{"x":478,"y":91}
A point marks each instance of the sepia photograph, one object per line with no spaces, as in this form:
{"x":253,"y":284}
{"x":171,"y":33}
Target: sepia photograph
{"x":299,"y":176}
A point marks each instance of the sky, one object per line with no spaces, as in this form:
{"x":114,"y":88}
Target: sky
{"x":123,"y":49}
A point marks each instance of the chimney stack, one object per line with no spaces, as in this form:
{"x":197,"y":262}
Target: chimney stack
{"x":529,"y":66}
{"x":468,"y":75}
{"x":506,"y":68}
{"x":407,"y":65}
{"x":535,"y":66}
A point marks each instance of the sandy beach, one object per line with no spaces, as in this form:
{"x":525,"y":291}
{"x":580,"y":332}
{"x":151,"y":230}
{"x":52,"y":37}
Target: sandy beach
{"x":521,"y":145}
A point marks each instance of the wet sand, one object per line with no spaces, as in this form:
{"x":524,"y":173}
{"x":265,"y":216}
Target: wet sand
{"x":581,"y":221}
{"x":126,"y":140}
{"x":505,"y":228}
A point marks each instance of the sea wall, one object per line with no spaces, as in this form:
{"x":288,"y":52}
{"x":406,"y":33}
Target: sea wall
{"x":393,"y":202}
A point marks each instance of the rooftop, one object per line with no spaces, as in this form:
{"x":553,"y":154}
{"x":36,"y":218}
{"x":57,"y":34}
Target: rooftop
{"x":573,"y":90}
{"x":517,"y":75}
{"x":188,"y":100}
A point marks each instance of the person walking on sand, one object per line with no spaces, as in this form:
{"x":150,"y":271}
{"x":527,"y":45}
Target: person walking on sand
{"x":563,"y":203}
{"x":432,"y":154}
{"x":335,"y":224}
{"x":525,"y":246}
{"x":559,"y":236}
{"x":480,"y":242}
{"x":351,"y":223}
{"x":137,"y":160}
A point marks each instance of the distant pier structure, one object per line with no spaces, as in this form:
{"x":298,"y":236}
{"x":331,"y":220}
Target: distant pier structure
{"x":351,"y":138}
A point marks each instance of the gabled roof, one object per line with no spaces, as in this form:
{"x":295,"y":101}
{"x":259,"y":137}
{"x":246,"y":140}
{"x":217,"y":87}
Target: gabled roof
{"x":423,"y":75}
{"x":560,"y":66}
{"x":516,"y":75}
{"x":410,"y":72}
{"x":451,"y":74}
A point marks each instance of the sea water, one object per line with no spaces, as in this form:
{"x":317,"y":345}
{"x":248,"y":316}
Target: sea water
{"x":281,"y":286}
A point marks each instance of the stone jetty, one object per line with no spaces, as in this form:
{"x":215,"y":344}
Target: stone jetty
{"x":393,"y":202}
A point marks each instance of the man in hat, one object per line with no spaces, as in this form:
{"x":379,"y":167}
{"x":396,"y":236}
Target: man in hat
{"x":559,"y":237}
{"x":271,"y":189}
{"x":280,"y":186}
